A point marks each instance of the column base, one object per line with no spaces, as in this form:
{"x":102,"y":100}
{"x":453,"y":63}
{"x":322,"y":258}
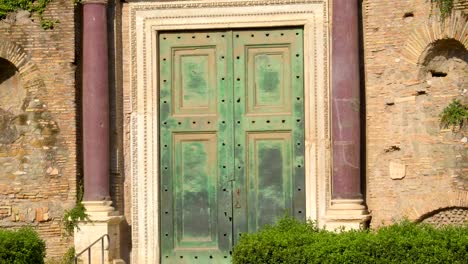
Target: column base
{"x":103,"y":219}
{"x":346,"y":214}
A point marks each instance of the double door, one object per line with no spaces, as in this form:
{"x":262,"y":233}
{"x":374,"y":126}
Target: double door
{"x":231,"y":138}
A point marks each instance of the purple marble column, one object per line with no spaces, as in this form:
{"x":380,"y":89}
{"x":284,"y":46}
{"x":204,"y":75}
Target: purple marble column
{"x":345,"y":101}
{"x":95,"y":101}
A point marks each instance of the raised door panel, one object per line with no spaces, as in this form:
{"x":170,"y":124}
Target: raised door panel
{"x":268,"y":178}
{"x":195,"y":183}
{"x":194,"y":71}
{"x":268,"y":88}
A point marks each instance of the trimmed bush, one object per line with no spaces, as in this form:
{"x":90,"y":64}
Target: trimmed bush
{"x":21,"y":247}
{"x":293,"y":242}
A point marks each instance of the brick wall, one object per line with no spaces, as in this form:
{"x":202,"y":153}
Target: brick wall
{"x":415,"y":65}
{"x":39,"y":163}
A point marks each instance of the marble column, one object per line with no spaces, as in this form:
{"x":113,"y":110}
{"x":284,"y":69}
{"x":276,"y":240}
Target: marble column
{"x":347,"y":207}
{"x":95,"y":102}
{"x":103,"y":219}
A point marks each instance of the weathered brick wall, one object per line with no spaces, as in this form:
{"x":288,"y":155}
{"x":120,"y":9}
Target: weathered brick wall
{"x":415,"y":65}
{"x":38,"y":161}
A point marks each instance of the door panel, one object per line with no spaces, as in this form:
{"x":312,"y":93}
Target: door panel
{"x":268,"y":87}
{"x":269,"y":127}
{"x":268,"y":177}
{"x":195,"y":81}
{"x":195,"y":184}
{"x":195,"y":131}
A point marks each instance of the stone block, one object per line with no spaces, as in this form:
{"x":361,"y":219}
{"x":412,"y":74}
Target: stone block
{"x":397,"y":170}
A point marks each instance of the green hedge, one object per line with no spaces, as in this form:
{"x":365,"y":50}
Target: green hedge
{"x":21,"y":247}
{"x":292,"y":242}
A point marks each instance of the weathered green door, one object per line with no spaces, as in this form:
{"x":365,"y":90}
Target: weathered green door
{"x":231,"y":138}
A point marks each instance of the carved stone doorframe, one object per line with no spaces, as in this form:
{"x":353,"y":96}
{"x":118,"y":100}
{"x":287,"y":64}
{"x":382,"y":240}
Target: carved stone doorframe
{"x":146,"y":19}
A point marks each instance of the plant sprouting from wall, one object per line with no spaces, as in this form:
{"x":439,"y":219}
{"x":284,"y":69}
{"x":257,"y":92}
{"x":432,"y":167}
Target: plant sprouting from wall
{"x":32,"y":6}
{"x":76,"y":214}
{"x":445,"y":7}
{"x":48,"y":23}
{"x":455,"y":114}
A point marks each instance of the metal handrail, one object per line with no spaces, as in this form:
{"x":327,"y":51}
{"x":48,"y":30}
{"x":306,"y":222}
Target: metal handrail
{"x":89,"y":249}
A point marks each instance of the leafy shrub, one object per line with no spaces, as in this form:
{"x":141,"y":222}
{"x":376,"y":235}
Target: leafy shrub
{"x":292,"y":242}
{"x":21,"y":247}
{"x":454,"y":114}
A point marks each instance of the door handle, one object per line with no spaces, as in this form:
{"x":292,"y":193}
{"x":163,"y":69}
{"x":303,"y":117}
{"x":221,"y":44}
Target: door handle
{"x":238,"y":205}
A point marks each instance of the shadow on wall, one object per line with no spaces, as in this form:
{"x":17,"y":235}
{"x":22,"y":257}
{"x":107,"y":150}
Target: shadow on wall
{"x":7,"y":70}
{"x":11,"y":95}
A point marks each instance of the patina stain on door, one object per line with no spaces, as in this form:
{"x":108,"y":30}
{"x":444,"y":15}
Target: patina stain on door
{"x":231,"y":138}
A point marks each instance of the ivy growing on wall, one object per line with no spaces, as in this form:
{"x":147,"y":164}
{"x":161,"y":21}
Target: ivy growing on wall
{"x":445,"y":7}
{"x":32,"y":6}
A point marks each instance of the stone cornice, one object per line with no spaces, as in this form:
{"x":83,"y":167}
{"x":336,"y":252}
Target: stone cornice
{"x":104,"y":2}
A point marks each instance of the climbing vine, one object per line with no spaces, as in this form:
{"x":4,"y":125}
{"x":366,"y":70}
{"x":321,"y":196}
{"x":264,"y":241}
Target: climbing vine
{"x":32,"y":6}
{"x":76,"y":214}
{"x":445,"y":7}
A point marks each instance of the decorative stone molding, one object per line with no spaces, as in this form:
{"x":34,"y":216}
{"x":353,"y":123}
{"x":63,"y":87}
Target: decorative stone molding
{"x":104,"y":2}
{"x":145,"y":21}
{"x":453,"y":27}
{"x":347,"y":214}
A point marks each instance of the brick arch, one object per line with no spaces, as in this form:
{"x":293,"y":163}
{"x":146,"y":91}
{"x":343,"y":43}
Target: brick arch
{"x":425,"y":206}
{"x":447,"y":211}
{"x":28,"y":70}
{"x":453,"y":27}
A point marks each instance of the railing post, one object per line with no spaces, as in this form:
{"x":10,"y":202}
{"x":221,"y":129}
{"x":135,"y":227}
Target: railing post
{"x":102,"y":249}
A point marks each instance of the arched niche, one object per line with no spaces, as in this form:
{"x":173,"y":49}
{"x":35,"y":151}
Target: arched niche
{"x":443,"y":58}
{"x":11,"y":88}
{"x":436,"y":29}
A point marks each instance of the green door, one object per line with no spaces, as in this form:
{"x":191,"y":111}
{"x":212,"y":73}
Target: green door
{"x":231,"y":138}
